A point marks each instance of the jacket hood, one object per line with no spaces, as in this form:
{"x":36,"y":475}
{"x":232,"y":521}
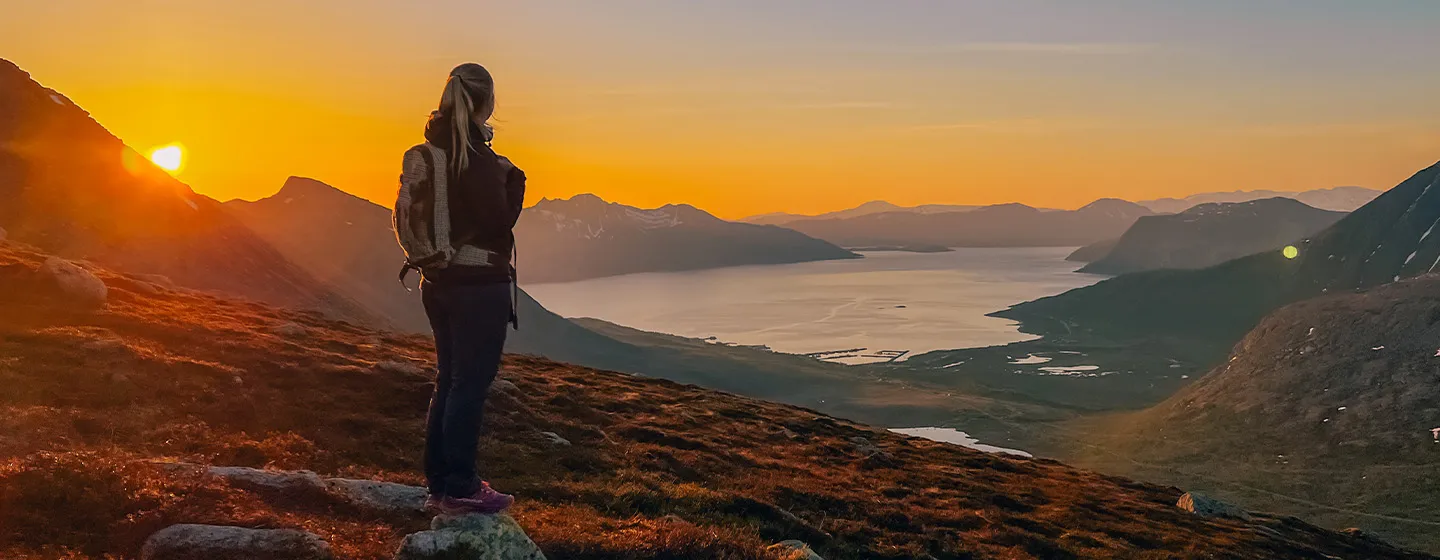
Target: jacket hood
{"x":437,"y":132}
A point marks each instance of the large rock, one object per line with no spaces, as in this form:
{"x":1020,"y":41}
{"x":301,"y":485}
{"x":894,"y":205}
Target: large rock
{"x":405,"y":368}
{"x":1205,"y":506}
{"x":470,"y":537}
{"x":3,"y":234}
{"x":284,"y":482}
{"x":372,"y":495}
{"x":216,"y":542}
{"x":382,"y":497}
{"x":77,"y":284}
{"x":290,"y":330}
{"x":794,"y":550}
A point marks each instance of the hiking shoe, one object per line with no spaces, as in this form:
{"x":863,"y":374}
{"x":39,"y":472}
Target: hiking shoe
{"x":434,"y":503}
{"x":484,"y":500}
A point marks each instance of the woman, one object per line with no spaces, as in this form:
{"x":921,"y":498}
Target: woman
{"x":468,"y":300}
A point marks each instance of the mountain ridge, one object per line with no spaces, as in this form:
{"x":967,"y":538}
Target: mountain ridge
{"x":1211,"y":233}
{"x":1339,"y":199}
{"x":73,"y":188}
{"x":1383,"y":241}
{"x":587,"y":237}
{"x":1001,"y":225}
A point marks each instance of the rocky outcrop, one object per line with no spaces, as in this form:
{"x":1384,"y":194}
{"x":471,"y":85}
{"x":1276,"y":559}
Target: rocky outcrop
{"x":386,"y":498}
{"x":289,"y":330}
{"x":403,"y":368}
{"x":78,"y":285}
{"x":286,"y":482}
{"x":1205,"y":506}
{"x":470,"y":537}
{"x":217,"y":542}
{"x":382,"y":497}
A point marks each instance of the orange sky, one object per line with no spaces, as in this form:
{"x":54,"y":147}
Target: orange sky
{"x":753,"y":107}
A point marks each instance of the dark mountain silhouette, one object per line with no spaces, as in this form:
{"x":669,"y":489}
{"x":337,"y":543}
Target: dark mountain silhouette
{"x":872,"y":207}
{"x":1338,"y":199}
{"x":586,"y":237}
{"x":1005,"y":225}
{"x":1330,"y":400}
{"x":73,"y":189}
{"x":1390,"y":238}
{"x":1094,"y":251}
{"x":608,"y":466}
{"x":1210,"y":234}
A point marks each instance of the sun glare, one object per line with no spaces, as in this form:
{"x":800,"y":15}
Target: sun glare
{"x":168,"y":158}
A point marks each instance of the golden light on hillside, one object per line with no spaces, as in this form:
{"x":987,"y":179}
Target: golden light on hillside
{"x":169,"y":158}
{"x":1290,"y":252}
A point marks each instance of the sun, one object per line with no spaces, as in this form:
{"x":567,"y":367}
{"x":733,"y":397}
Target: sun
{"x":168,"y":158}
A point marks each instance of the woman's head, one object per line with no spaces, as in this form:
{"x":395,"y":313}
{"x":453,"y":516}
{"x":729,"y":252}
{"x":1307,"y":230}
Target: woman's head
{"x":469,"y":97}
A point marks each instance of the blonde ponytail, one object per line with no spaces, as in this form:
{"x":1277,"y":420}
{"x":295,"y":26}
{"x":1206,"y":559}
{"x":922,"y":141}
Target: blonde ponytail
{"x":469,"y":95}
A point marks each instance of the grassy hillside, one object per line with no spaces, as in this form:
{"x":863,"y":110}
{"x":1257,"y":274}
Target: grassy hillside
{"x":1327,"y":406}
{"x":654,"y":469}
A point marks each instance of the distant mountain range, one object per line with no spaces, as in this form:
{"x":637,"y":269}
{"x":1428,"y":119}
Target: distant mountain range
{"x":586,"y":237}
{"x":71,"y":188}
{"x":1005,"y":225}
{"x":872,"y":207}
{"x":1390,"y":238}
{"x":1207,"y":235}
{"x":1339,"y":199}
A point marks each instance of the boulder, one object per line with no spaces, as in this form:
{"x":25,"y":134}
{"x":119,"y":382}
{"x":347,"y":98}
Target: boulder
{"x":555,"y":439}
{"x":867,"y":448}
{"x":285,"y":482}
{"x":1205,"y":506}
{"x":381,"y":497}
{"x":289,"y":329}
{"x":504,"y":386}
{"x":77,"y":284}
{"x":144,"y":288}
{"x":192,"y":542}
{"x":470,"y":537}
{"x":405,"y":368}
{"x":155,"y":279}
{"x":794,"y":550}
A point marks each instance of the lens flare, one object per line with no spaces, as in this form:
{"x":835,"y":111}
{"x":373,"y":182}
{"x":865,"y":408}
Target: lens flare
{"x":1290,"y":252}
{"x":168,"y":158}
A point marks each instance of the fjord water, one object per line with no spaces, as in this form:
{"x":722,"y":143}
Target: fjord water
{"x":888,"y":301}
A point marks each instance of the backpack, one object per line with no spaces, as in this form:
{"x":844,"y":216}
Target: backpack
{"x":421,"y":225}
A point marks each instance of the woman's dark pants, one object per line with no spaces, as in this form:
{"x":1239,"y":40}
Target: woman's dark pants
{"x":469,"y":322}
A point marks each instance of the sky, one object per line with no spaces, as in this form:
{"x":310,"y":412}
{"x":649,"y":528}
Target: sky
{"x":744,"y":107}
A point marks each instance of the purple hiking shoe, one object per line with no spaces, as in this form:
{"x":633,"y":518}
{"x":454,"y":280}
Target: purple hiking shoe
{"x":484,"y":500}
